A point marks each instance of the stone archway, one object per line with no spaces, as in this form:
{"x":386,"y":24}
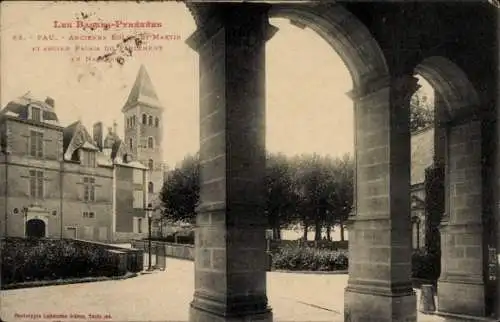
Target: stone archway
{"x":461,"y":151}
{"x":35,"y":228}
{"x":230,"y":231}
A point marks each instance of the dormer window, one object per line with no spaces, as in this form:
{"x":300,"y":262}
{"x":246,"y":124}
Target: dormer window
{"x":36,"y":114}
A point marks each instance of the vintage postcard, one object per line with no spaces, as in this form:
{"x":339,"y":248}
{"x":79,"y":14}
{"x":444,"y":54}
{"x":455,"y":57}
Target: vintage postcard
{"x":249,"y":161}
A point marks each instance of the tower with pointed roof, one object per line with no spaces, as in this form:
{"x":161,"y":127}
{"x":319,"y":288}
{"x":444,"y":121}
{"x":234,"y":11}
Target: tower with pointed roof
{"x":143,"y":119}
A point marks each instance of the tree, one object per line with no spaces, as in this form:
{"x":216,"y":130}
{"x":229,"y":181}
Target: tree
{"x":342,"y":200}
{"x":181,"y":191}
{"x":421,"y":112}
{"x":281,"y":198}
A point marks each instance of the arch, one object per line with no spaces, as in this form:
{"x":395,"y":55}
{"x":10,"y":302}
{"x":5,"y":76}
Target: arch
{"x":350,"y":38}
{"x":35,"y":228}
{"x":144,"y":119}
{"x":151,"y":143}
{"x":150,"y":120}
{"x":452,"y":84}
{"x":157,"y":122}
{"x":150,"y":187}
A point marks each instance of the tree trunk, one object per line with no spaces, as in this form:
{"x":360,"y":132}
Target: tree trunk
{"x":306,"y":228}
{"x":317,"y":229}
{"x":342,"y":238}
{"x":278,"y":233}
{"x":328,"y":232}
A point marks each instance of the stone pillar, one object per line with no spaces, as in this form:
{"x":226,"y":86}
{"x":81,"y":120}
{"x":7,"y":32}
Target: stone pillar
{"x":379,"y":286}
{"x":230,"y":244}
{"x":461,"y":283}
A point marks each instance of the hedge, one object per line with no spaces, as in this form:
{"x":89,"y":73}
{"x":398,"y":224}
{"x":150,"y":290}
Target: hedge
{"x":176,"y":238}
{"x":25,"y":260}
{"x":424,"y":265}
{"x":309,"y":259}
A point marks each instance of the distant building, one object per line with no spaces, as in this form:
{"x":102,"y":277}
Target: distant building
{"x":61,"y":181}
{"x":422,"y":157}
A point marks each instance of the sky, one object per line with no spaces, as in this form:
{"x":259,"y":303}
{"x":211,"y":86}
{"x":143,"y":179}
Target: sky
{"x":307,"y":109}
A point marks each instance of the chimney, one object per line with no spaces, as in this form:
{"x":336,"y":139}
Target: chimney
{"x":115,"y":126}
{"x":98,"y":135}
{"x":50,"y":101}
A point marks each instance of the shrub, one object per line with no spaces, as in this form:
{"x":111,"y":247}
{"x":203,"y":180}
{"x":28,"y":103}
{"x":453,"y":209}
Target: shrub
{"x":46,"y":259}
{"x":309,"y":259}
{"x":425,"y":265}
{"x":186,"y":239}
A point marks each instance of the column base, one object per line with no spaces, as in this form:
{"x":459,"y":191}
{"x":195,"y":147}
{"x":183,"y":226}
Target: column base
{"x":464,"y":297}
{"x":377,"y":305}
{"x":197,"y":314}
{"x":209,"y":308}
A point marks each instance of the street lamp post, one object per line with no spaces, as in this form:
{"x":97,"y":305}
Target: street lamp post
{"x":149,"y":214}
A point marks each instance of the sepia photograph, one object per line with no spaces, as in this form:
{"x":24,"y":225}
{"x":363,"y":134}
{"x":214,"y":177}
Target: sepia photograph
{"x":250,"y":161}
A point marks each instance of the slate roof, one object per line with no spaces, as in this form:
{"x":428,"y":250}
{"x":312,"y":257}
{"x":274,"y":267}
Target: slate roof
{"x":76,"y":136}
{"x":142,"y":92}
{"x":422,"y":153}
{"x":20,"y":105}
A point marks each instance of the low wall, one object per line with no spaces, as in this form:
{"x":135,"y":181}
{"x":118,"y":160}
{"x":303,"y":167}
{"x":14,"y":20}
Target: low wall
{"x":128,"y":259}
{"x":126,"y":237}
{"x":165,"y":249}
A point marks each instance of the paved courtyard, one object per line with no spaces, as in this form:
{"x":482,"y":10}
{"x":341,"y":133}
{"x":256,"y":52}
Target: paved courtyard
{"x":165,"y":296}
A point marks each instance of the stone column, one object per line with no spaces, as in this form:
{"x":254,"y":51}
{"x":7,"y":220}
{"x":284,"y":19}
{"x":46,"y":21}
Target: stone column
{"x":461,"y":284}
{"x":230,"y":245}
{"x":379,"y":286}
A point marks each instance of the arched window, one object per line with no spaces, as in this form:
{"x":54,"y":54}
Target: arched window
{"x":144,"y":119}
{"x":150,"y":142}
{"x":150,"y":120}
{"x":131,"y":143}
{"x":157,"y":122}
{"x":150,"y":164}
{"x":150,"y":187}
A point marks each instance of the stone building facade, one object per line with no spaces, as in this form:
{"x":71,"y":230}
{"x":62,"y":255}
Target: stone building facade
{"x":422,"y":157}
{"x":64,"y":182}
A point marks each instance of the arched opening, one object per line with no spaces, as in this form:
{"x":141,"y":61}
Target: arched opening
{"x":157,"y":122}
{"x":150,"y":164}
{"x":150,"y":120}
{"x":131,"y":143}
{"x":455,"y":213}
{"x":150,"y":187}
{"x":366,"y":64}
{"x":35,"y":228}
{"x":144,"y":119}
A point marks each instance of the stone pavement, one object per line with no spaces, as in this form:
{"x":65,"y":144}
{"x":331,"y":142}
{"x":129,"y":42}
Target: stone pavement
{"x":165,"y":296}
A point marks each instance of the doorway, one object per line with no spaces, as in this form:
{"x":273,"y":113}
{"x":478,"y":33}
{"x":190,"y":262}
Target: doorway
{"x":35,"y":228}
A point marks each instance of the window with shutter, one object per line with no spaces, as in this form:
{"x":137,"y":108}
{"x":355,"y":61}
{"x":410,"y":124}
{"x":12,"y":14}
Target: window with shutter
{"x":36,"y":184}
{"x":36,"y":144}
